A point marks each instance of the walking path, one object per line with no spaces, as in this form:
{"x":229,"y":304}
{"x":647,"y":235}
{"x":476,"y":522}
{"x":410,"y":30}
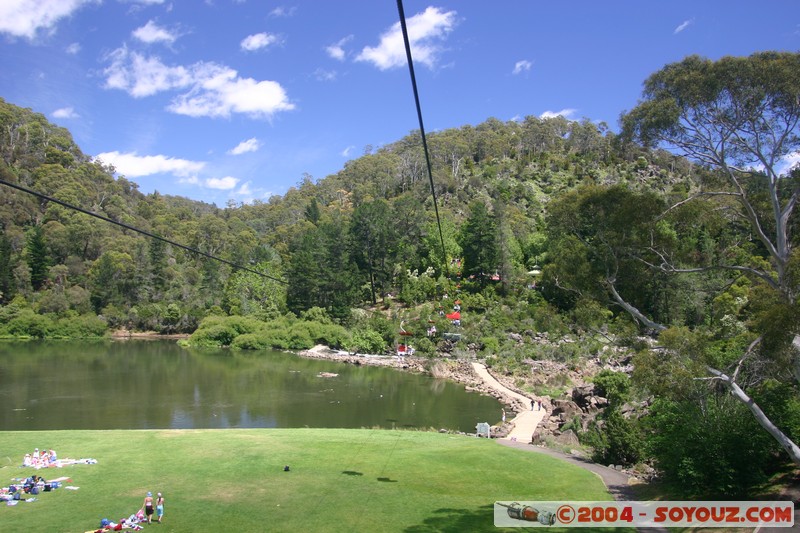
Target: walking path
{"x":526,"y":421}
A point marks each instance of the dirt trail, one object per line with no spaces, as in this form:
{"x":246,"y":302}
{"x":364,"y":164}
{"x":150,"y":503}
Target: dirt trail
{"x":527,"y":420}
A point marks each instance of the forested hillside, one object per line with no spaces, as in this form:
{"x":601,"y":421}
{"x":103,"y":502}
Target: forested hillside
{"x":559,"y":240}
{"x":345,"y":241}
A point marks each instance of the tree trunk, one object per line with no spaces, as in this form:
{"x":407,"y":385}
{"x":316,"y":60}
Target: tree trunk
{"x":635,"y":313}
{"x":791,"y":448}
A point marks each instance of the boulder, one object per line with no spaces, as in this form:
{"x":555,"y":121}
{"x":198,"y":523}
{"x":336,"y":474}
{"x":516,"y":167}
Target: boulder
{"x":568,"y":438}
{"x":566,"y":407}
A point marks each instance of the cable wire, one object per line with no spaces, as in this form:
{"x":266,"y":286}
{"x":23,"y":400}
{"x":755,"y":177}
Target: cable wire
{"x":422,"y":129}
{"x":137,"y":230}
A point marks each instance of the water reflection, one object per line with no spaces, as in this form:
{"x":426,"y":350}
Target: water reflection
{"x":156,"y":384}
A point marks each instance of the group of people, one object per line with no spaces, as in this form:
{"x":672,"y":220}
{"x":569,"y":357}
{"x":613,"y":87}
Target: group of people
{"x":151,"y":506}
{"x":41,"y":459}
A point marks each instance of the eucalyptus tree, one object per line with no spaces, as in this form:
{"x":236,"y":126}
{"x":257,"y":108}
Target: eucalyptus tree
{"x":739,"y":118}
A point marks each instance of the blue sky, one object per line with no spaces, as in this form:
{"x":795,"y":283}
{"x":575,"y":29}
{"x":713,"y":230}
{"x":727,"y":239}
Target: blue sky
{"x":222,"y":100}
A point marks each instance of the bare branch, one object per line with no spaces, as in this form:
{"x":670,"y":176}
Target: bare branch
{"x":635,"y":313}
{"x":695,"y":197}
{"x":791,"y":448}
{"x":669,"y":269}
{"x":562,"y":287}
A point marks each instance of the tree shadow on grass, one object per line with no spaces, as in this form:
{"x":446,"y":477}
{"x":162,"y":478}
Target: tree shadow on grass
{"x":457,"y":520}
{"x":482,"y":519}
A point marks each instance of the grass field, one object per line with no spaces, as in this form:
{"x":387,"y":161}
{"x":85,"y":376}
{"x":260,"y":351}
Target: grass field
{"x":233,"y":480}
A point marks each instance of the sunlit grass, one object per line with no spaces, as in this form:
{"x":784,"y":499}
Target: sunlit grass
{"x":233,"y":480}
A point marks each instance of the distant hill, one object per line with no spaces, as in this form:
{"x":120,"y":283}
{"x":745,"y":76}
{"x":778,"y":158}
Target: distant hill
{"x":341,"y":242}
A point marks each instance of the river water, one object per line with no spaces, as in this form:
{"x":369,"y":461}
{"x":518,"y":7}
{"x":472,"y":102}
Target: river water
{"x":157,"y":384}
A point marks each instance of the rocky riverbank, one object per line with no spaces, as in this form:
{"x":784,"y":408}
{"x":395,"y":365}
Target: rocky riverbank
{"x":577,"y":398}
{"x":459,"y":371}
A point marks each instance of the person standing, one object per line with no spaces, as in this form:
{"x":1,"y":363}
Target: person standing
{"x":148,"y":507}
{"x":160,"y":507}
{"x":504,"y":415}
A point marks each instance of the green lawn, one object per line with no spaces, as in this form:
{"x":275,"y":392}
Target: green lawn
{"x":233,"y":480}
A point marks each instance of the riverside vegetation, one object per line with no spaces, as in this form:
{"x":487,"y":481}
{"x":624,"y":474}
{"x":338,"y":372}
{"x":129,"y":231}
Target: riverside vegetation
{"x":563,"y":242}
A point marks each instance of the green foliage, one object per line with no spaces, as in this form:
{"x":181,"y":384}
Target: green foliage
{"x":425,"y":346}
{"x":213,"y":336}
{"x":781,"y":402}
{"x":27,"y":323}
{"x":247,"y":293}
{"x":316,"y":314}
{"x":711,"y":448}
{"x":416,"y":288}
{"x":252,"y":341}
{"x":490,"y":345}
{"x":615,"y":440}
{"x":7,"y":286}
{"x":589,"y":314}
{"x":81,"y":327}
{"x":283,"y":333}
{"x":478,"y":240}
{"x":612,"y":385}
{"x":37,"y":257}
{"x":366,"y":341}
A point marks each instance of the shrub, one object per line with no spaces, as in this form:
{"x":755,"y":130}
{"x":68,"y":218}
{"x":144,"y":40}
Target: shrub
{"x":617,"y":441}
{"x":29,"y":324}
{"x":216,"y":335}
{"x":334,"y":336}
{"x":82,"y":327}
{"x":299,"y":338}
{"x":713,"y":448}
{"x":316,"y":314}
{"x":366,"y":341}
{"x":613,"y":385}
{"x":243,"y":324}
{"x":252,"y":341}
{"x":490,"y":345}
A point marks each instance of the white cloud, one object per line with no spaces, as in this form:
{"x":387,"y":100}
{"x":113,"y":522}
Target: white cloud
{"x":566,"y":113}
{"x":522,"y":66}
{"x":73,"y":49}
{"x":325,"y":75}
{"x":258,"y":41}
{"x":219,"y":91}
{"x":190,"y":180}
{"x":683,"y":25}
{"x":227,"y":183}
{"x":65,"y":112}
{"x":23,"y":18}
{"x":143,"y":76}
{"x":213,"y":90}
{"x":424,"y":29}
{"x":336,"y":50}
{"x":347,"y":151}
{"x":132,"y":165}
{"x":283,"y":11}
{"x":787,"y":163}
{"x":244,"y":190}
{"x":250,"y":145}
{"x":153,"y":33}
